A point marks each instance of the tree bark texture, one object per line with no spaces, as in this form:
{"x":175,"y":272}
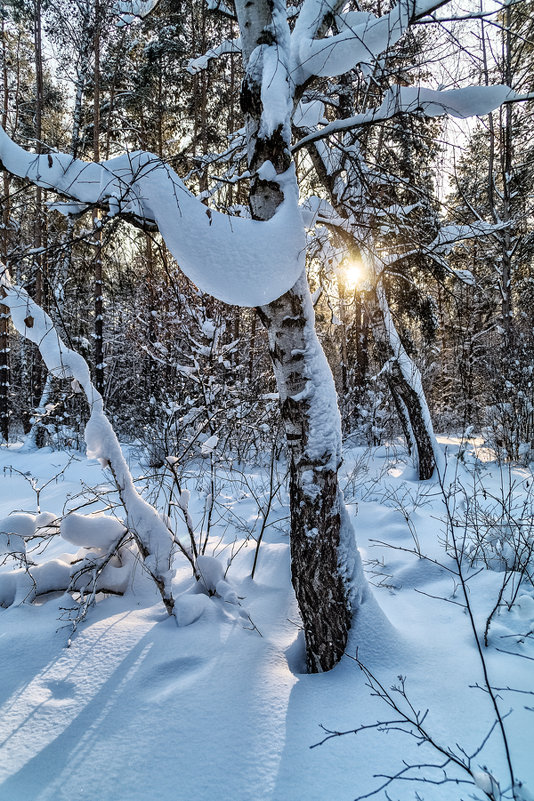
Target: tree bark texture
{"x":324,"y":558}
{"x":404,"y":381}
{"x":4,"y":311}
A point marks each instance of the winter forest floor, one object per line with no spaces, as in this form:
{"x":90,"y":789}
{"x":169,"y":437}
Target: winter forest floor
{"x":139,"y":708}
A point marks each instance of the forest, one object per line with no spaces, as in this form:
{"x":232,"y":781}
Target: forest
{"x":266,"y":400}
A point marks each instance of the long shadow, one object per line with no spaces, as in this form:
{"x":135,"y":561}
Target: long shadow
{"x":45,"y":772}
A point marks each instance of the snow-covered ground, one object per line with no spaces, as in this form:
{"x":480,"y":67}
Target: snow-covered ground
{"x":139,"y":708}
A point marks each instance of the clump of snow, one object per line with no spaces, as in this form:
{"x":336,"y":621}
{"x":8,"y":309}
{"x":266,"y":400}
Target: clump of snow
{"x":209,"y":445}
{"x":308,"y":114}
{"x":130,"y":10}
{"x":12,"y":544}
{"x":225,"y":591}
{"x":488,"y":784}
{"x":189,"y":607}
{"x":45,"y":520}
{"x":211,"y":571}
{"x":95,"y":531}
{"x":19,"y":523}
{"x":196,"y":65}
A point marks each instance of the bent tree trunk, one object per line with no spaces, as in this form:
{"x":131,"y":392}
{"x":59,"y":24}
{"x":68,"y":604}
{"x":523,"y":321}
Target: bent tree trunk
{"x":325,"y":564}
{"x":404,"y":381}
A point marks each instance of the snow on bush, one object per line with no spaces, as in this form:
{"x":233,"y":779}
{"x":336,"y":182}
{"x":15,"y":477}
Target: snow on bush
{"x":97,"y":531}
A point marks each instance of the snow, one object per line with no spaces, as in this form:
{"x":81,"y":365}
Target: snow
{"x":364,"y":37}
{"x":238,"y":260}
{"x":19,"y":523}
{"x":97,"y":531}
{"x":139,"y":708}
{"x":11,"y":543}
{"x":129,"y":10}
{"x":211,"y":571}
{"x":461,"y":103}
{"x":209,"y":445}
{"x":196,"y":65}
{"x":308,"y":114}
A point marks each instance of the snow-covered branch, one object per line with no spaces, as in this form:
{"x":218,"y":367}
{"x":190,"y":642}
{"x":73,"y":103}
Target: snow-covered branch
{"x":130,"y":10}
{"x":360,"y":39}
{"x":196,"y":65}
{"x":471,"y":101}
{"x":220,"y":7}
{"x":155,"y":541}
{"x":237,"y":260}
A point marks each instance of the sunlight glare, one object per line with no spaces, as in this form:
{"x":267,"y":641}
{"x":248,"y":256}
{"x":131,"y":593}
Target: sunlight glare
{"x":353,"y":274}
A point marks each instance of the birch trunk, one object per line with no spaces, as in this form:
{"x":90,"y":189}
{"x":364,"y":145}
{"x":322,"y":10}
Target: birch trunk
{"x":325,"y":564}
{"x":97,"y":230}
{"x":404,"y":381}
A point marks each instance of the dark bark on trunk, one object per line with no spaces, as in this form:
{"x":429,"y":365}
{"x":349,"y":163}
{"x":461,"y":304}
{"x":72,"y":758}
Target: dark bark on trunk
{"x":411,"y":414}
{"x":408,"y":397}
{"x":4,"y":311}
{"x":320,"y":578}
{"x":323,"y":553}
{"x":97,"y":230}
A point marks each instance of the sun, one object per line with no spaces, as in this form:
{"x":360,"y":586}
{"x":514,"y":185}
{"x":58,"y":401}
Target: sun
{"x":353,"y":274}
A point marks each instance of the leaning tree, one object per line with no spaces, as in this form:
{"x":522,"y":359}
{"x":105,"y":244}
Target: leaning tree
{"x":259,"y":260}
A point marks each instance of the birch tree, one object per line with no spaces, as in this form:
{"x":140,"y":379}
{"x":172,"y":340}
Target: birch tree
{"x":260,"y":260}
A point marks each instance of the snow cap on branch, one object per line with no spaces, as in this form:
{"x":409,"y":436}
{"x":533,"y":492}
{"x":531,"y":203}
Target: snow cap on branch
{"x":237,"y":260}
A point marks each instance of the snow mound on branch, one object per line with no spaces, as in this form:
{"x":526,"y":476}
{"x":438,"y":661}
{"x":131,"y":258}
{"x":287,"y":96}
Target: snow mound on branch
{"x":95,"y":531}
{"x":19,"y":523}
{"x":462,"y":103}
{"x":211,"y":573}
{"x":45,"y":519}
{"x":237,"y":260}
{"x":130,"y":10}
{"x":11,"y":544}
{"x":363,"y":37}
{"x":209,"y":445}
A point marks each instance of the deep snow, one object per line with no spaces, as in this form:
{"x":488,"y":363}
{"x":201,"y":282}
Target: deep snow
{"x":139,"y":708}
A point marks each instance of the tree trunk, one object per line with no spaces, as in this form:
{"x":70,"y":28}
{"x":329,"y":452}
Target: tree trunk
{"x":324,"y":559}
{"x":325,"y":564}
{"x":97,"y":230}
{"x":4,"y":311}
{"x":404,"y":381}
